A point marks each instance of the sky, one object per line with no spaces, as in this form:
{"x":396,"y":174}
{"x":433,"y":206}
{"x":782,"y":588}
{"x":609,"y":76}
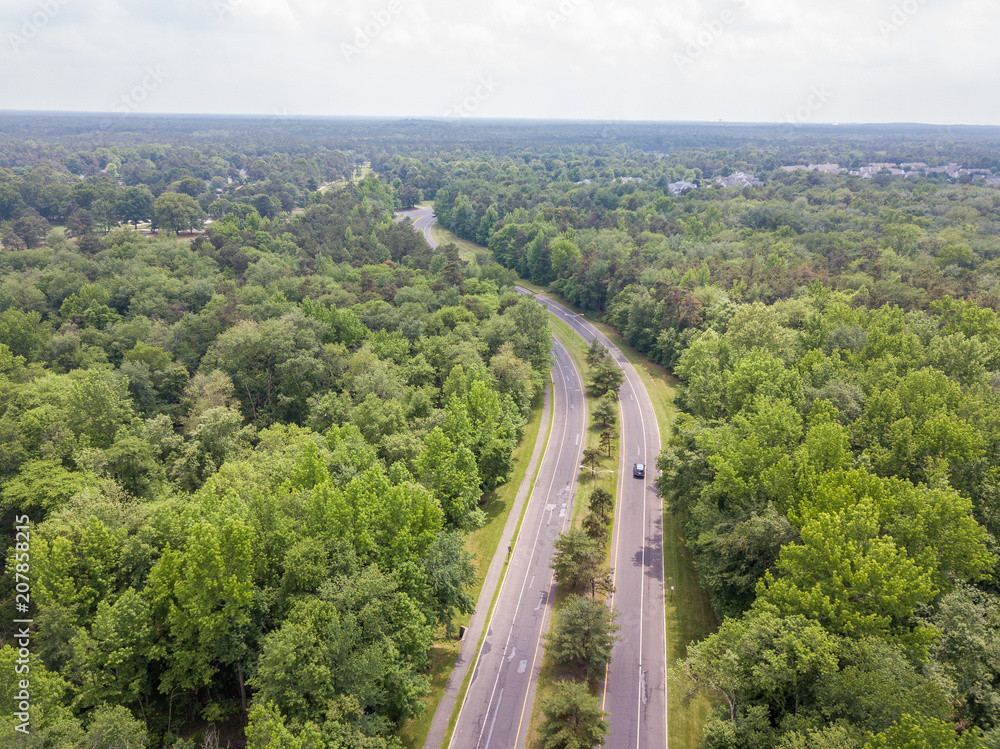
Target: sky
{"x":809,"y":61}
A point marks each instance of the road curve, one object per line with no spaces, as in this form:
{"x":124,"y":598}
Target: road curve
{"x":423,"y":218}
{"x":496,"y":710}
{"x":635,"y":689}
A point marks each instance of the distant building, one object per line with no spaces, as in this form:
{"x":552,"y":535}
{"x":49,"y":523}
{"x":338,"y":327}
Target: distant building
{"x":825,"y":168}
{"x":739,"y":179}
{"x":679,"y":188}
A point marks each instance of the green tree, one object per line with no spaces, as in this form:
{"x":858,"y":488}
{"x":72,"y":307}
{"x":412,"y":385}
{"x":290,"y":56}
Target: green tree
{"x":200,"y":594}
{"x":450,"y":472}
{"x":601,"y":503}
{"x":876,"y":589}
{"x":583,"y":635}
{"x":266,"y":729}
{"x":606,"y":377}
{"x":606,"y":411}
{"x":596,"y":352}
{"x":573,"y":718}
{"x":362,"y":638}
{"x":579,"y":563}
{"x":114,"y":727}
{"x":176,"y":212}
{"x":111,"y":661}
{"x":513,"y":376}
{"x":134,"y":204}
{"x":968,"y":647}
{"x":926,"y":733}
{"x":607,"y":439}
{"x":51,"y":720}
{"x":762,"y":659}
{"x":451,"y":574}
{"x":590,"y":457}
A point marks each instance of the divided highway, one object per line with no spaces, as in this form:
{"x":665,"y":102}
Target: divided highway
{"x":635,"y":690}
{"x":497,"y":706}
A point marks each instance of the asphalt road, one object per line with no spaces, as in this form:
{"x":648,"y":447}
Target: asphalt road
{"x":635,"y":690}
{"x":497,"y":706}
{"x":422,"y":219}
{"x":496,"y":710}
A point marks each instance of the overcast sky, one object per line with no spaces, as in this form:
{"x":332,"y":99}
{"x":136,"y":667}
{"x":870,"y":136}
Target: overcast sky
{"x":934,"y":61}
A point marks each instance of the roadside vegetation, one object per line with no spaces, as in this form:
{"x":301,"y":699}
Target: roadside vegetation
{"x":253,"y":457}
{"x":254,"y":468}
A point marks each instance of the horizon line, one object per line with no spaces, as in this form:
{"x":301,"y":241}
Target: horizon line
{"x":477,"y":120}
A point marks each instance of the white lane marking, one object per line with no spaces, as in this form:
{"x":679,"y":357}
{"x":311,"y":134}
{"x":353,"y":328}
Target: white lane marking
{"x":494,"y":722}
{"x":520,"y":598}
{"x":577,"y":440}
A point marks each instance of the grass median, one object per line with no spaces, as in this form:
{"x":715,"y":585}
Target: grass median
{"x":550,"y":673}
{"x":688,"y":609}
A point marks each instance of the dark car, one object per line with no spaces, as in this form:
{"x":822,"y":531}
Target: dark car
{"x":639,"y":470}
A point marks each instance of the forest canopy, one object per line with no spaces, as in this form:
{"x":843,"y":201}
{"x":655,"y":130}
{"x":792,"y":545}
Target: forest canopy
{"x":252,"y":416}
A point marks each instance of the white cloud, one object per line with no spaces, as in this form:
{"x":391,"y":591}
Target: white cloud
{"x":555,"y":58}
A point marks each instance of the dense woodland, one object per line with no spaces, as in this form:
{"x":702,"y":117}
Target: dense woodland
{"x":249,"y":457}
{"x":248,"y":461}
{"x":837,"y":459}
